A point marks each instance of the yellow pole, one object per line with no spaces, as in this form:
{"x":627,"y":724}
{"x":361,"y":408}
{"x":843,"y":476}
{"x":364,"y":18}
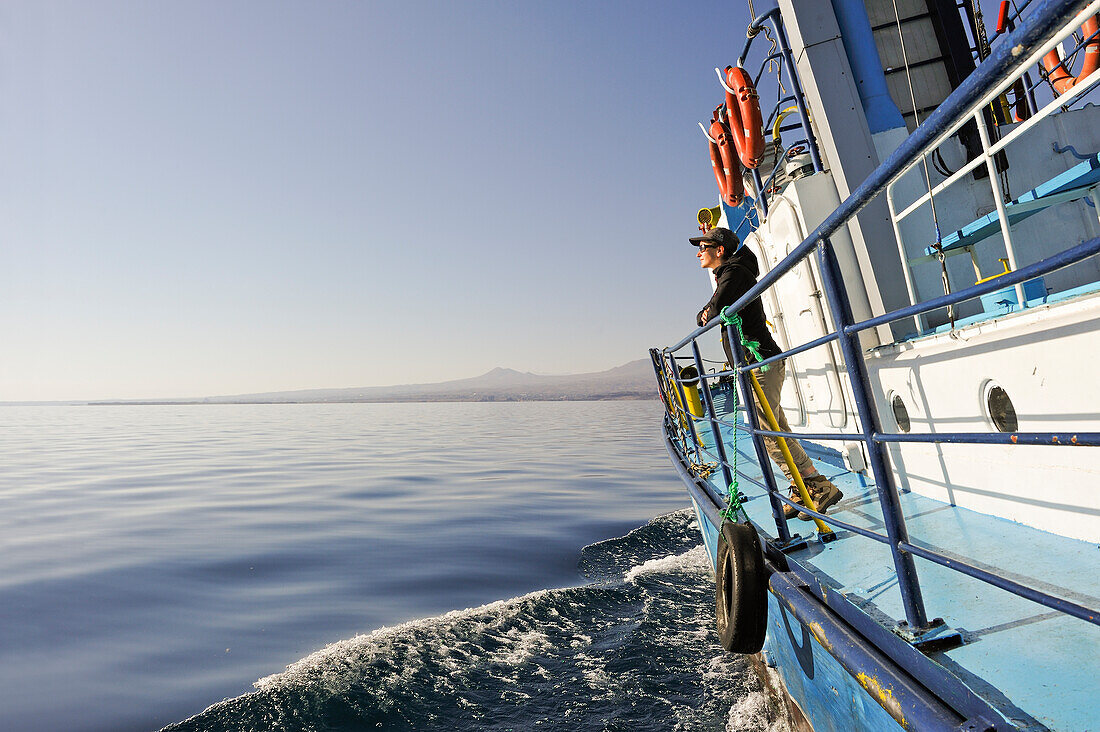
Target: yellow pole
{"x":767,"y":409}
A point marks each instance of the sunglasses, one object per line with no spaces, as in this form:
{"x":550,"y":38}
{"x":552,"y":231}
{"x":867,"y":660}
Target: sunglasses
{"x":703,"y":247}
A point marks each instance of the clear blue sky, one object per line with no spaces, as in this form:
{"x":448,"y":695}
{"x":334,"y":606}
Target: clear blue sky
{"x":222,"y":197}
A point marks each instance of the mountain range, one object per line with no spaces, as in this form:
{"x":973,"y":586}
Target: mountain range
{"x":633,"y":380}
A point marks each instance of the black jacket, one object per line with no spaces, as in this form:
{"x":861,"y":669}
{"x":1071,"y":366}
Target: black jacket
{"x":735,"y":277}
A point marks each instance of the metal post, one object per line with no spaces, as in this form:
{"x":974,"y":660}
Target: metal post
{"x":905,"y":266}
{"x":998,"y":199}
{"x":683,"y":408}
{"x":786,"y":541}
{"x":761,"y":197}
{"x":796,"y":88}
{"x":892,"y":516}
{"x":708,"y":404}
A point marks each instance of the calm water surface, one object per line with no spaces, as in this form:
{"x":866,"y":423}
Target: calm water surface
{"x":354,"y":566}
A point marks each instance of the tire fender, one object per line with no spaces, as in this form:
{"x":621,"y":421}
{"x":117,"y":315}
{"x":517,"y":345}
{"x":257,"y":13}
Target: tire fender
{"x":741,"y":589}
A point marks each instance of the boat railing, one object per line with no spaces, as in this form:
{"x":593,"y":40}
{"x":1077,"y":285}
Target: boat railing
{"x":781,"y":58}
{"x":1028,"y":87}
{"x":1039,"y":32}
{"x":993,"y":144}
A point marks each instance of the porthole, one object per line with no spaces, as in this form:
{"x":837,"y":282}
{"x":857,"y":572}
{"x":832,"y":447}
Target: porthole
{"x":999,"y":408}
{"x":901,"y":413}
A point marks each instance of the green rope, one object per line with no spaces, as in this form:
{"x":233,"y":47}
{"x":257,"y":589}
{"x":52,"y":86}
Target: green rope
{"x":733,"y":496}
{"x":752,"y":347}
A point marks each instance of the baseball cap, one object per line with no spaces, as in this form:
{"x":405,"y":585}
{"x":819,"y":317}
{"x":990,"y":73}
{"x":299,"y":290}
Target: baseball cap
{"x":717,"y":235}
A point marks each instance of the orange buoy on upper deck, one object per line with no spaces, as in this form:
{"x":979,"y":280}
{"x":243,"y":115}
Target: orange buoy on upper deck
{"x":746,"y":123}
{"x":1058,"y":75}
{"x":727,"y":171}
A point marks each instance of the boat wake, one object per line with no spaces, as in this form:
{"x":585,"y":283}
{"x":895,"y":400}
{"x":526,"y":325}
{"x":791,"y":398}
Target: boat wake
{"x":633,"y":649}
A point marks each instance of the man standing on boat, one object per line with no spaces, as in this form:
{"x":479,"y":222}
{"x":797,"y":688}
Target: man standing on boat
{"x":735,"y":271}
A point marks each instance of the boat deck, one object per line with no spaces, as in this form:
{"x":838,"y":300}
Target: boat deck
{"x":1038,"y":667}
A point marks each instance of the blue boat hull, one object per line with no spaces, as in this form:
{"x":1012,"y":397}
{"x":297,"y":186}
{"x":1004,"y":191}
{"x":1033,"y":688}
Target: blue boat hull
{"x":825,"y":693}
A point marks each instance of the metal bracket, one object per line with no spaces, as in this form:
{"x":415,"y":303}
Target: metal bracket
{"x":938,"y":636}
{"x":796,"y":543}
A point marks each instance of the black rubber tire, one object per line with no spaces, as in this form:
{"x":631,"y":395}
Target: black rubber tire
{"x":742,"y":589}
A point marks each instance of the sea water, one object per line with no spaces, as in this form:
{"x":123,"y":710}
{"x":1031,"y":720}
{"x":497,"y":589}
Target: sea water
{"x":467,"y":566}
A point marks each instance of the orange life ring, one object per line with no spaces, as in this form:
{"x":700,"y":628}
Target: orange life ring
{"x":719,"y":172}
{"x":745,"y":120}
{"x":1059,"y":75}
{"x":727,"y":171}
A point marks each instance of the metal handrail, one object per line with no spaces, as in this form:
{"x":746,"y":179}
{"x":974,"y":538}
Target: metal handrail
{"x":970,"y":97}
{"x":787,"y":58}
{"x":1033,"y":37}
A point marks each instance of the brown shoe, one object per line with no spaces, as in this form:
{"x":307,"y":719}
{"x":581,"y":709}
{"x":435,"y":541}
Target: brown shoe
{"x":822,"y":492}
{"x":790,"y":511}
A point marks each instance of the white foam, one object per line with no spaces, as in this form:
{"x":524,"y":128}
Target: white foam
{"x":750,"y":712}
{"x":365,"y":646}
{"x":693,"y":560}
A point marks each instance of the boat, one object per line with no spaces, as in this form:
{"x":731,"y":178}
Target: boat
{"x":925,"y":213}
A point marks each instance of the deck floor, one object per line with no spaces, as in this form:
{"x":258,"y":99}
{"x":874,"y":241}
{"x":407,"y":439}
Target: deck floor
{"x":1034,"y":664}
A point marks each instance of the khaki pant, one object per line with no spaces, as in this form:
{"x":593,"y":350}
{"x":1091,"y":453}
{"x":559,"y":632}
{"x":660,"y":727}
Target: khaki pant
{"x":771,"y":382}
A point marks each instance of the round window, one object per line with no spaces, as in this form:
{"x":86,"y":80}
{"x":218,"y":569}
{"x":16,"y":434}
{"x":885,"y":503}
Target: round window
{"x":901,"y":414}
{"x":1000,"y":410}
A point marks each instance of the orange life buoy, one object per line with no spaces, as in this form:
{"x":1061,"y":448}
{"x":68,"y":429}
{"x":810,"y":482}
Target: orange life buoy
{"x":732,"y":188}
{"x":1059,"y":75}
{"x":719,"y":172}
{"x":745,"y":120}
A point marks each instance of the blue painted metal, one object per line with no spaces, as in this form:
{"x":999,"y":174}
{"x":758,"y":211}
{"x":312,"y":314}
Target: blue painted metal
{"x":859,"y":46}
{"x":908,"y":703}
{"x":784,"y":48}
{"x":761,"y":194}
{"x":790,"y":352}
{"x":1055,"y":603}
{"x":795,"y":658}
{"x":752,"y":420}
{"x":1069,"y":185}
{"x":868,"y":420}
{"x":930,"y":674}
{"x":1043,"y":266}
{"x":923,"y":669}
{"x":973,"y":712}
{"x":1005,"y":61}
{"x":1060,"y":439}
{"x":1072,"y":151}
{"x":873,"y":437}
{"x":708,"y":406}
{"x":739,"y":218}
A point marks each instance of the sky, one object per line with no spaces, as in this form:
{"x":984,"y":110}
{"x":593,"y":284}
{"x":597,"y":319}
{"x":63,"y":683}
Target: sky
{"x":211,"y":198}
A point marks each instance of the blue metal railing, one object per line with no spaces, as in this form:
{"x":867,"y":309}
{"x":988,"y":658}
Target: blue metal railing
{"x":1006,"y":61}
{"x":782,"y":54}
